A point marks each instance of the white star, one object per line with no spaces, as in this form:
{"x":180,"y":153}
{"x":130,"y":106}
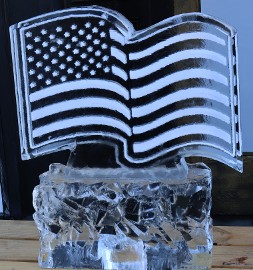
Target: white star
{"x":83,"y":55}
{"x":73,"y":26}
{"x":82,"y":44}
{"x":31,"y":71}
{"x":98,"y":53}
{"x":52,"y":36}
{"x":90,"y":49}
{"x":75,"y":51}
{"x":48,"y":81}
{"x":45,"y":44}
{"x":106,"y":69}
{"x":66,"y":34}
{"x":94,"y":30}
{"x":91,"y":60}
{"x":28,"y":34}
{"x":40,"y":76}
{"x":32,"y":84}
{"x":37,"y":39}
{"x":74,"y":39}
{"x":39,"y":64}
{"x":55,"y":73}
{"x":88,"y":25}
{"x":45,"y":56}
{"x":104,"y":46}
{"x":53,"y":49}
{"x":62,"y":66}
{"x":30,"y":59}
{"x":92,"y":72}
{"x":29,"y":46}
{"x":38,"y":51}
{"x":89,"y":37}
{"x":98,"y":65}
{"x":43,"y":31}
{"x":63,"y":78}
{"x":102,"y":34}
{"x":78,"y":75}
{"x":101,"y":23}
{"x":69,"y":58}
{"x":54,"y":61}
{"x":70,"y":70}
{"x":58,"y":29}
{"x":77,"y":63}
{"x":68,"y":46}
{"x":81,"y":32}
{"x":61,"y":53}
{"x":96,"y":41}
{"x":59,"y":41}
{"x":105,"y":58}
{"x":85,"y":67}
{"x":47,"y":68}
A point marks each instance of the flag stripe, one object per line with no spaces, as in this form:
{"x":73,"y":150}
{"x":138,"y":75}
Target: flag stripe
{"x":147,"y":127}
{"x":178,"y":96}
{"x":81,"y":93}
{"x":91,"y":133}
{"x":119,"y":54}
{"x":120,"y":73}
{"x":77,"y":112}
{"x":78,"y":85}
{"x":178,"y":76}
{"x":190,"y":83}
{"x":193,"y":141}
{"x":178,"y":47}
{"x":187,"y":64}
{"x":82,"y":121}
{"x":176,"y":57}
{"x":86,"y":102}
{"x":180,"y":38}
{"x":117,"y":36}
{"x":181,"y":105}
{"x":182,"y":121}
{"x":181,"y":131}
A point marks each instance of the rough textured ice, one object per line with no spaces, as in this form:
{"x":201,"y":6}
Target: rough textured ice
{"x":124,"y":219}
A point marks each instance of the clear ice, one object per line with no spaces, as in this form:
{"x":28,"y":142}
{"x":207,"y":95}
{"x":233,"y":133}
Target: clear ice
{"x":124,"y":219}
{"x":85,"y":76}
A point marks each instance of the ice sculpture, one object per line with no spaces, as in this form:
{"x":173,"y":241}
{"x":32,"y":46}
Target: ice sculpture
{"x":85,"y":76}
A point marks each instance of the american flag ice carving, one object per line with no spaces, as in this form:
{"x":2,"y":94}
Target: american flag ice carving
{"x":85,"y":75}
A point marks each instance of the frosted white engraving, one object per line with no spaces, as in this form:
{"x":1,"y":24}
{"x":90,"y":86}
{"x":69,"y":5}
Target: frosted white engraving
{"x":87,"y":102}
{"x":179,"y":56}
{"x":178,"y":76}
{"x":179,"y":96}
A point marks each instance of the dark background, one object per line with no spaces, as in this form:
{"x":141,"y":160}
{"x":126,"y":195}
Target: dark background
{"x":232,"y":196}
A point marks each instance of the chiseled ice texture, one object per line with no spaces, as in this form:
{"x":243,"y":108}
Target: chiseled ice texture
{"x":125,"y":219}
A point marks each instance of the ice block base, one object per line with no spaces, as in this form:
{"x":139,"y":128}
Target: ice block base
{"x":124,"y":219}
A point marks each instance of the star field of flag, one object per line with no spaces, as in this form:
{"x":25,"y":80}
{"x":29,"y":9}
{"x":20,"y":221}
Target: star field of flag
{"x":69,"y":51}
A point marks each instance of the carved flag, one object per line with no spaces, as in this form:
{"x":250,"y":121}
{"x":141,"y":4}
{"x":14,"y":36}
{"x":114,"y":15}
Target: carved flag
{"x":85,"y":75}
